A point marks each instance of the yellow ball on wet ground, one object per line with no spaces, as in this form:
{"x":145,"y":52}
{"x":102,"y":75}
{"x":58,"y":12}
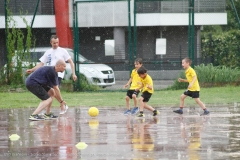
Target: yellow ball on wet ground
{"x":93,"y":112}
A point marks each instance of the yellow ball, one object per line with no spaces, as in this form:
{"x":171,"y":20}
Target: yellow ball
{"x":93,"y":111}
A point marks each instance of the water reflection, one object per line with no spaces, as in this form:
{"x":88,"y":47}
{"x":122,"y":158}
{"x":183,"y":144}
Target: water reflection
{"x":143,"y":142}
{"x":114,"y":136}
{"x":191,"y":134}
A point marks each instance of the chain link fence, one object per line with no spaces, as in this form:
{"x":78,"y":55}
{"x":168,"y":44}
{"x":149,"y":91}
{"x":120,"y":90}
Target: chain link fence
{"x":105,"y":35}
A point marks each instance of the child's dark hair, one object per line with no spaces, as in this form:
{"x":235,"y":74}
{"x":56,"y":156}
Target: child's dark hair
{"x":142,"y":70}
{"x":139,"y":60}
{"x":188,"y":60}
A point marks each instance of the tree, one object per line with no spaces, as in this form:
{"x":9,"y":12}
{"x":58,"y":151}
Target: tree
{"x":17,"y":50}
{"x":221,"y":44}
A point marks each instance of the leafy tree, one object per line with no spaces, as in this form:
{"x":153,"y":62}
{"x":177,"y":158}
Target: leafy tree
{"x":221,"y":44}
{"x":17,"y":51}
{"x":232,"y":22}
{"x":223,"y":48}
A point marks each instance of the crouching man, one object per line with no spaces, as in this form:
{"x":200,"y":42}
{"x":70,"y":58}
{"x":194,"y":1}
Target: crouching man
{"x":43,"y":83}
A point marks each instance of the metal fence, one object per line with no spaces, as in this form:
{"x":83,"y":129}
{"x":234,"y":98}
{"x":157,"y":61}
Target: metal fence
{"x":115,"y":14}
{"x":94,"y":23}
{"x":180,"y":6}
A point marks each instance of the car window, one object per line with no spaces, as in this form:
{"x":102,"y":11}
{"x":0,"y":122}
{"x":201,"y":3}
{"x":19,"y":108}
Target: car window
{"x":83,"y":59}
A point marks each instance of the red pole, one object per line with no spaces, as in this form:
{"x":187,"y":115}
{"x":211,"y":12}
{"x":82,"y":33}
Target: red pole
{"x":63,"y":29}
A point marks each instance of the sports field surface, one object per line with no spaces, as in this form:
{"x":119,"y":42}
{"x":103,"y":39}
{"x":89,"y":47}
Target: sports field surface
{"x":111,"y":135}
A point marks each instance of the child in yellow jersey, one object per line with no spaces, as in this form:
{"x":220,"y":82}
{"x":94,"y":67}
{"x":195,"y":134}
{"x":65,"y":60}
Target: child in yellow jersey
{"x":193,"y":87}
{"x":132,"y":93}
{"x":147,"y":91}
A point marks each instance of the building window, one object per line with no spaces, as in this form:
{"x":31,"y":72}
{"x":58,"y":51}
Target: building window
{"x":45,"y":7}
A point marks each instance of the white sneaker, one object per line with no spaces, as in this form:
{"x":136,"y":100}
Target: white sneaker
{"x":65,"y":110}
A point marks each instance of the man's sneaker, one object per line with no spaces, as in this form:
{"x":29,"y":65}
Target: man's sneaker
{"x":179,"y":111}
{"x":65,"y":110}
{"x":49,"y":116}
{"x":205,"y":113}
{"x":156,"y":113}
{"x":135,"y":110}
{"x":140,"y":115}
{"x":127,"y":112}
{"x":35,"y":117}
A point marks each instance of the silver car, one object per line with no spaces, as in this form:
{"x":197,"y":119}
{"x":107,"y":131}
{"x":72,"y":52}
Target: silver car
{"x":96,"y":74}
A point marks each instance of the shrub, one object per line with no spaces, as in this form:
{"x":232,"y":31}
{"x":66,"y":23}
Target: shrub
{"x":83,"y":85}
{"x":210,"y":74}
{"x":12,"y":74}
{"x":205,"y":73}
{"x":179,"y":85}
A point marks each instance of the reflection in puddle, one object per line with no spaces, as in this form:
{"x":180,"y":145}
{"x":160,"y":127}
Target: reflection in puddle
{"x":114,"y":136}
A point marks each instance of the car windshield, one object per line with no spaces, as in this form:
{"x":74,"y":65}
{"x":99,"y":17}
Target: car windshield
{"x":83,"y":59}
{"x":80,"y":57}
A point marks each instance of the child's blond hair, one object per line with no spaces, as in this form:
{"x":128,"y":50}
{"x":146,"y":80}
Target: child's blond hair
{"x":188,"y":60}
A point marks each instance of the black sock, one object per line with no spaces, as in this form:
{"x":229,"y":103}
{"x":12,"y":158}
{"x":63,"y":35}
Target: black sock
{"x":141,"y":112}
{"x":155,"y":111}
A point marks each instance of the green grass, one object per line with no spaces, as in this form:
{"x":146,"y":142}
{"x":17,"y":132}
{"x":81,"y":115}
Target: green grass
{"x":217,"y":95}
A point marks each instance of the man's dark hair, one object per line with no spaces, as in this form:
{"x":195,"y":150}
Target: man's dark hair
{"x":139,"y":60}
{"x":53,"y":37}
{"x":142,"y":70}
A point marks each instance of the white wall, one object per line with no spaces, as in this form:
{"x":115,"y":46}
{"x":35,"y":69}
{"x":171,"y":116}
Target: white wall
{"x":41,"y":21}
{"x":180,"y":19}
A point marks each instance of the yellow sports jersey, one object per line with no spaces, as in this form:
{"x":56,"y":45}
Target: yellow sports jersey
{"x":147,"y":81}
{"x":135,"y":80}
{"x":190,"y":73}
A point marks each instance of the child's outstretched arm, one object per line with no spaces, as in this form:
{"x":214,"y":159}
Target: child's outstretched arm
{"x":182,"y":80}
{"x":129,"y":81}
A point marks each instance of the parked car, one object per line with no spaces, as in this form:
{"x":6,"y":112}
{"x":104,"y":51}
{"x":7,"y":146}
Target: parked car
{"x":97,"y":74}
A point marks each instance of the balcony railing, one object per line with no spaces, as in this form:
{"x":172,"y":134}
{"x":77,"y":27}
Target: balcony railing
{"x":46,"y":7}
{"x":181,"y":6}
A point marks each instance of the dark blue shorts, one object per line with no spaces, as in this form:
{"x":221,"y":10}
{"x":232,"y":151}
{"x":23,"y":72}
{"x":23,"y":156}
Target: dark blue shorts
{"x":40,"y":91}
{"x":193,"y":94}
{"x":131,"y":92}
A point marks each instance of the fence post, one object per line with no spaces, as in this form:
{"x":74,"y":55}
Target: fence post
{"x":6,"y":33}
{"x":191,"y":31}
{"x":76,"y":46}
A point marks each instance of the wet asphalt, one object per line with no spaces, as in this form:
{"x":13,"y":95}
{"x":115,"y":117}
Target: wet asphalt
{"x":111,"y":135}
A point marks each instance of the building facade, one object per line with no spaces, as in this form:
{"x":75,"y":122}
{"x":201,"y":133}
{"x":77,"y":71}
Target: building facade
{"x":101,"y":21}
